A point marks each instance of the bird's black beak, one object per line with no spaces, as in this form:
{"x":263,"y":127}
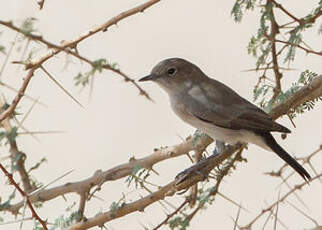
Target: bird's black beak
{"x":148,"y":78}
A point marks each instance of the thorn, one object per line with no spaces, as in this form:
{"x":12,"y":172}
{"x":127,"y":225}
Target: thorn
{"x":132,"y":159}
{"x":60,"y":86}
{"x":154,"y":171}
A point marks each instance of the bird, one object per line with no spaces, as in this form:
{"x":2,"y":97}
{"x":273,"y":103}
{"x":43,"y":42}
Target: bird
{"x":217,"y":110}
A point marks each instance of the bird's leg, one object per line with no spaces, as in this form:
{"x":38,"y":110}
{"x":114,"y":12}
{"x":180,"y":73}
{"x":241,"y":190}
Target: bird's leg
{"x":199,"y":167}
{"x":220,"y":147}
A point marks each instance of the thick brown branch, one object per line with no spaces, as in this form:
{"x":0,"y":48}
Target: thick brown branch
{"x":307,"y":93}
{"x":102,"y":218}
{"x":83,"y":198}
{"x":219,"y":179}
{"x":117,"y":172}
{"x":167,"y":190}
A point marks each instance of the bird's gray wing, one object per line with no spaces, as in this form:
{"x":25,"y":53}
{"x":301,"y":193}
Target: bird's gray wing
{"x":215,"y":103}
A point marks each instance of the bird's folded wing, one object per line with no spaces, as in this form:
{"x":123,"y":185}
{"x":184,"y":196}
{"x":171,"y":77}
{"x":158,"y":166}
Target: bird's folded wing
{"x":223,"y":107}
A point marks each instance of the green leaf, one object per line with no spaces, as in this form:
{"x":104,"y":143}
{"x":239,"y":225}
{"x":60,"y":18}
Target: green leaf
{"x":295,"y":39}
{"x":250,"y":4}
{"x":178,"y":223}
{"x":12,"y":134}
{"x":98,"y":65}
{"x":27,"y":26}
{"x":237,"y":12}
{"x":5,"y":204}
{"x":114,"y":206}
{"x":81,"y":79}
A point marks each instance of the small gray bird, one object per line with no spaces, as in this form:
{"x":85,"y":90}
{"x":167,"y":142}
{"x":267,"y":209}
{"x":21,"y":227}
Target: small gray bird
{"x":217,"y":110}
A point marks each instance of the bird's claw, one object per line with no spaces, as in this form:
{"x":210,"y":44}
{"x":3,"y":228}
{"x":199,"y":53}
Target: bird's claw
{"x":193,"y":170}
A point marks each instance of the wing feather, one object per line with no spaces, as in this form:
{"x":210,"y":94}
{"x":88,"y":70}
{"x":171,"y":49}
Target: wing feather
{"x":215,"y":103}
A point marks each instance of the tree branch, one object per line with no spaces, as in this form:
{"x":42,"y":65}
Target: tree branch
{"x":271,"y":37}
{"x":17,"y":157}
{"x":301,"y":47}
{"x":281,"y":199}
{"x":41,"y":3}
{"x":33,"y":66}
{"x":278,"y":5}
{"x":100,"y":177}
{"x":306,"y":93}
{"x":12,"y":181}
{"x":168,"y":190}
{"x":73,"y":53}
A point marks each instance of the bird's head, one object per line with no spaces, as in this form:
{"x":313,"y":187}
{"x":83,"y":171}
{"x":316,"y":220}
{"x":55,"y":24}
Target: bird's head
{"x":174,"y":75}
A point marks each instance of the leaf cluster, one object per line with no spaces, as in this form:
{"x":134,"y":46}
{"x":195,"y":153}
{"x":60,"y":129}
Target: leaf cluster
{"x":98,"y":65}
{"x":264,"y":91}
{"x":138,"y":176}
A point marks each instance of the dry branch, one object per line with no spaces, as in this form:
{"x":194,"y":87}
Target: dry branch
{"x":67,"y":50}
{"x":115,"y":173}
{"x":13,"y":182}
{"x":17,"y":157}
{"x":281,"y":199}
{"x":306,"y":93}
{"x":168,"y":190}
{"x":33,"y":66}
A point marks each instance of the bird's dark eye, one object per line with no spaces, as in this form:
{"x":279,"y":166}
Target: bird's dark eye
{"x":172,"y":71}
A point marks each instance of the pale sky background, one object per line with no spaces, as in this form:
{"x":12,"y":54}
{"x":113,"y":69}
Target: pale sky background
{"x":117,"y":124}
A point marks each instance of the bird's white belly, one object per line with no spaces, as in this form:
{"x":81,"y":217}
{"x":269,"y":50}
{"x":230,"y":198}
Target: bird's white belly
{"x":226,"y":135}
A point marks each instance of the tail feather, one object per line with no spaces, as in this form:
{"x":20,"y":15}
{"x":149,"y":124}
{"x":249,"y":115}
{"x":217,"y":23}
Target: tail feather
{"x":271,"y":142}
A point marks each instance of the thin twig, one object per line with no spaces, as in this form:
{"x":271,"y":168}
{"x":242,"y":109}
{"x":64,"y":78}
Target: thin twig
{"x":51,"y":77}
{"x":237,"y":217}
{"x":8,"y":55}
{"x":18,"y":97}
{"x":271,"y":37}
{"x":270,"y":207}
{"x":17,"y":157}
{"x":23,"y":194}
{"x":303,"y":213}
{"x":41,"y":3}
{"x":33,"y":66}
{"x":278,"y":5}
{"x":165,"y":221}
{"x":299,"y":46}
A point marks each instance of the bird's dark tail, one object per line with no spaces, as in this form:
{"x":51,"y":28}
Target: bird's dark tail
{"x":271,"y":142}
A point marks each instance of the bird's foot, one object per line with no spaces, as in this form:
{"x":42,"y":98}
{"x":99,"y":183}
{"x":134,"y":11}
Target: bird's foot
{"x":196,"y":169}
{"x":202,"y":167}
